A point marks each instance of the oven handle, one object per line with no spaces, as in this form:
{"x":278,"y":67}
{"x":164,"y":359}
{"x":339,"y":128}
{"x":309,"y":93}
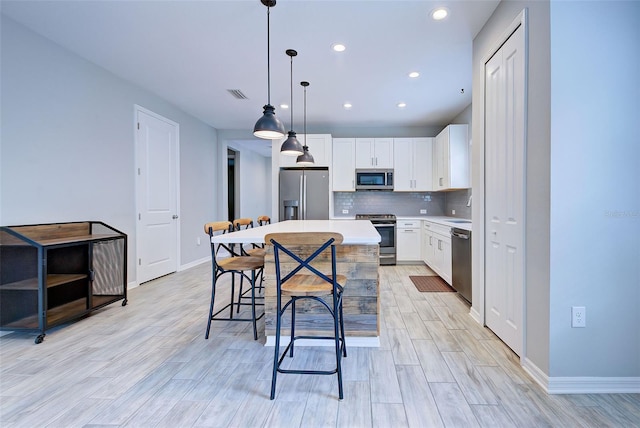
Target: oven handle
{"x":384,"y":225}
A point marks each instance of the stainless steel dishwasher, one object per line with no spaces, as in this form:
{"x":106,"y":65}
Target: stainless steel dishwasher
{"x":461,"y":262}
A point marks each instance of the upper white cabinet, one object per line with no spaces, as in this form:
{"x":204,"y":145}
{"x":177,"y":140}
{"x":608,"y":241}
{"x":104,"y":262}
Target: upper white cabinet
{"x":374,"y":152}
{"x":344,"y":164}
{"x":319,"y":147}
{"x":413,"y":164}
{"x":451,"y":158}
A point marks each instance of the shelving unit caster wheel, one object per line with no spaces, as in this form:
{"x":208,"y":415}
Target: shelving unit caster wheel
{"x":40,"y":338}
{"x":124,"y":302}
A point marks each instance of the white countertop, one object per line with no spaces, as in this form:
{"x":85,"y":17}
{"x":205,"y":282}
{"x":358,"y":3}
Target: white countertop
{"x":443,"y":220}
{"x":354,"y":232}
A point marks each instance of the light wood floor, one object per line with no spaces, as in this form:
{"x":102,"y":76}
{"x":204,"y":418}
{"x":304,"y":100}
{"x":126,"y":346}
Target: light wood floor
{"x":148,"y":364}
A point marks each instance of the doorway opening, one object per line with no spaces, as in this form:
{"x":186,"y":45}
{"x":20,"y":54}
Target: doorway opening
{"x":233,"y":173}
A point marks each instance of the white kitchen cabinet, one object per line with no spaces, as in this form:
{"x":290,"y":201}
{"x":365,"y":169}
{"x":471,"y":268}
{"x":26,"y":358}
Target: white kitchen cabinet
{"x":408,"y":245}
{"x":374,"y":152}
{"x":436,"y":243}
{"x":413,"y":164}
{"x":344,"y":165}
{"x":319,"y":147}
{"x":451,"y":158}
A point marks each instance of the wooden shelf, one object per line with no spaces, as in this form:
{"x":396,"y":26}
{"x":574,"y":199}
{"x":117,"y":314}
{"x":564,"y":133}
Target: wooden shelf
{"x":68,"y":311}
{"x":76,"y":239}
{"x":53,"y":280}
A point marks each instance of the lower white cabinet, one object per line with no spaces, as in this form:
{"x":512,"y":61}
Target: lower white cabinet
{"x":436,"y":248}
{"x":408,"y":242}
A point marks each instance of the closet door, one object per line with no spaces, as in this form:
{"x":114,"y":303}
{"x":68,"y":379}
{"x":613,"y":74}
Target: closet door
{"x":504,"y":190}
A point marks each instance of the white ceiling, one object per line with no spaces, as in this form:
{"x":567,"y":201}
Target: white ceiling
{"x":192,"y":52}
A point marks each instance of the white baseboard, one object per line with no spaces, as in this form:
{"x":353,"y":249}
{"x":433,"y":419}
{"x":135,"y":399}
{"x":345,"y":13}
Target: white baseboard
{"x":352,"y":342}
{"x":194,"y":263}
{"x":475,"y":315}
{"x":582,"y":384}
{"x":132,"y":284}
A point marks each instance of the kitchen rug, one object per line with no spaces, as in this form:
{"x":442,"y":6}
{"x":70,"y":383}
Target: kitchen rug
{"x":430,"y":283}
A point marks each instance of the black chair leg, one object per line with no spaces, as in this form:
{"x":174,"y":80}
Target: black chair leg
{"x":293,"y":327}
{"x":276,"y":352}
{"x":253,"y":304}
{"x":213,"y":297}
{"x":336,"y":332}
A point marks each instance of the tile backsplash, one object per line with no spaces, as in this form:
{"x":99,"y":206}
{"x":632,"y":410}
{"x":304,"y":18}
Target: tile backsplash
{"x":402,"y":204}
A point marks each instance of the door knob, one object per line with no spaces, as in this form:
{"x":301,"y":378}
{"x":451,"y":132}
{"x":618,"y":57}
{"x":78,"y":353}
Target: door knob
{"x":174,"y":217}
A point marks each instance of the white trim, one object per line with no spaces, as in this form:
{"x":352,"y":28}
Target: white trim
{"x":478,"y":311}
{"x":582,"y":384}
{"x":194,"y":263}
{"x":131,"y":285}
{"x":352,"y":342}
{"x":137,"y":109}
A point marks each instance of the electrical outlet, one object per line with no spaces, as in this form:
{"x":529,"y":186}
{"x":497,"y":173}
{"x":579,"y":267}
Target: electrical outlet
{"x":578,"y":316}
{"x":453,"y":212}
{"x":423,"y":211}
{"x":345,"y":211}
{"x":198,"y":240}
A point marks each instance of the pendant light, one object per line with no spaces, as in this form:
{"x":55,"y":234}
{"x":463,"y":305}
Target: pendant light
{"x":268,"y":126}
{"x":291,"y":146}
{"x":305,"y":158}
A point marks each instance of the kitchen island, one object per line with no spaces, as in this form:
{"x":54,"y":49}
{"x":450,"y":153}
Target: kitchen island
{"x":357,"y":259}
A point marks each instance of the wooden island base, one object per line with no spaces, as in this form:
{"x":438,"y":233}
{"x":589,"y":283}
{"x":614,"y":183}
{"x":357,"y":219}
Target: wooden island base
{"x":361,"y":305}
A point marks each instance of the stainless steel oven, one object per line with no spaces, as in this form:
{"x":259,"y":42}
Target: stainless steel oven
{"x":385,"y":224}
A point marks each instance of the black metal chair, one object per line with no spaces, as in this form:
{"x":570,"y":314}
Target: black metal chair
{"x":236,"y":264}
{"x":299,"y":250}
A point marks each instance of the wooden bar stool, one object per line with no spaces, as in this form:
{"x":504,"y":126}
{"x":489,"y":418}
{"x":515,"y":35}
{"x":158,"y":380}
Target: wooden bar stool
{"x":264,"y":219}
{"x":255,"y":251}
{"x":292,"y":253}
{"x":235,"y":265}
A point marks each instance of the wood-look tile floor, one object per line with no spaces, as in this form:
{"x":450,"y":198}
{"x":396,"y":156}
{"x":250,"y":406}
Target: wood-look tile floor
{"x":148,"y":365}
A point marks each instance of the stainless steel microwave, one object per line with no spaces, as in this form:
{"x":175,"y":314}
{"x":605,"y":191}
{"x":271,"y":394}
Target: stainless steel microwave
{"x":374,"y":179}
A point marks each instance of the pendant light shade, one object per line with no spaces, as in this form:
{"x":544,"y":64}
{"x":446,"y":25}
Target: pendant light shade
{"x":291,"y":146}
{"x":268,"y":126}
{"x":305,"y":158}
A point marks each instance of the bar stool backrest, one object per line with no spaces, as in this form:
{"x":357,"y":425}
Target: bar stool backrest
{"x":211,"y":229}
{"x":242,"y":223}
{"x":288,"y":243}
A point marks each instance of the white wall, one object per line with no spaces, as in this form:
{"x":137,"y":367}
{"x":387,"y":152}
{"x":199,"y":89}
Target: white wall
{"x":67,"y":150}
{"x":595,"y":187}
{"x":537,"y":167}
{"x":582,"y":183}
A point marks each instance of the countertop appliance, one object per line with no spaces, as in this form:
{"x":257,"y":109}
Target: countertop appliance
{"x":461,"y":262}
{"x":304,"y":194}
{"x":374,"y":179}
{"x":385,"y":224}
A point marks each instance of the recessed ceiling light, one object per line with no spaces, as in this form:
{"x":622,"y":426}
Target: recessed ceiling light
{"x":284,"y":105}
{"x":439,"y":13}
{"x":347,"y":106}
{"x":338,"y":47}
{"x":414,"y":74}
{"x":401,"y":105}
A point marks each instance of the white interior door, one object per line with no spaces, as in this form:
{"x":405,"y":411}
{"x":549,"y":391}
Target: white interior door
{"x":157,"y":195}
{"x":504,"y":191}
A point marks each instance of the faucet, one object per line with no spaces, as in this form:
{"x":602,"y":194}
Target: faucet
{"x":469,"y":201}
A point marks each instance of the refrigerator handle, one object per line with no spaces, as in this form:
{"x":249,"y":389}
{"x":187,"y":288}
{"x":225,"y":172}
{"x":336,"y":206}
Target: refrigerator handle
{"x":301,"y":212}
{"x":304,"y":201}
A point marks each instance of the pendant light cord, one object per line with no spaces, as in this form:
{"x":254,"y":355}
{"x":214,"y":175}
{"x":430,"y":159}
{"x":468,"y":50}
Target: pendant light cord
{"x":268,"y":58}
{"x":291,"y":93}
{"x":305,"y":117}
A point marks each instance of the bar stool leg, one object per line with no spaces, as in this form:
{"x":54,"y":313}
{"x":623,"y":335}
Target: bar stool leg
{"x":276,"y":351}
{"x":336,"y":312}
{"x":213,"y":297}
{"x":253,"y":304}
{"x":293,"y":327}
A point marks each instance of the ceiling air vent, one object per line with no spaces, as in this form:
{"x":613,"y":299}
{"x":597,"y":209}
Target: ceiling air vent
{"x":237,"y":93}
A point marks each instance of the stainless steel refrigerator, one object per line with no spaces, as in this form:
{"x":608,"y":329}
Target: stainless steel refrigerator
{"x":304,"y":194}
